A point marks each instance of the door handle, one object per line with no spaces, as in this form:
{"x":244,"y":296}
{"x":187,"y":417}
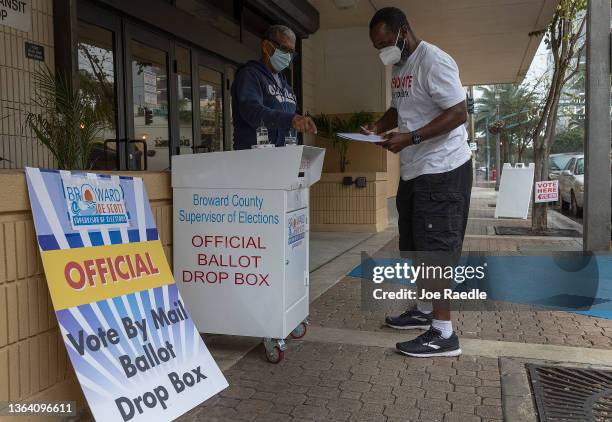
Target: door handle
{"x":144,"y":151}
{"x":106,"y":150}
{"x":198,"y":147}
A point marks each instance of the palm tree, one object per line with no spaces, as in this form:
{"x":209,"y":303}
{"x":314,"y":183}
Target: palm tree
{"x":517,"y":114}
{"x":67,"y":123}
{"x":330,"y":126}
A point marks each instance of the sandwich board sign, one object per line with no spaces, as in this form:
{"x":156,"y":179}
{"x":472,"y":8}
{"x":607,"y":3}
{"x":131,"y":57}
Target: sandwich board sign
{"x":546,"y":191}
{"x":515,"y":190}
{"x":133,"y":344}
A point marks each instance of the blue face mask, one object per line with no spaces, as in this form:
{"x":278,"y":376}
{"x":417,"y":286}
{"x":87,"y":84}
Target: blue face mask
{"x":280,"y":60}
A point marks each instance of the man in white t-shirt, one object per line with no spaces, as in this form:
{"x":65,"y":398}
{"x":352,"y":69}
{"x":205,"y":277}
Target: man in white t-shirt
{"x":428,"y":107}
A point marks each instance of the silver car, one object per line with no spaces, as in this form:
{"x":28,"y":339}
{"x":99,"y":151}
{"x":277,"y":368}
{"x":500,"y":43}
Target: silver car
{"x":571,"y":185}
{"x":557,"y":162}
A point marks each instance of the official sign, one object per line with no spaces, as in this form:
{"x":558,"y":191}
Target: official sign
{"x":296,"y":228}
{"x":131,"y":340}
{"x":473,"y":146}
{"x":94,"y":202}
{"x":229,"y":245}
{"x":35,"y":52}
{"x":16,"y":14}
{"x":547,"y":191}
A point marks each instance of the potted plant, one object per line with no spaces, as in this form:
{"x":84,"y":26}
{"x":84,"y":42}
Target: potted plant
{"x":329,"y":127}
{"x":66,"y":122}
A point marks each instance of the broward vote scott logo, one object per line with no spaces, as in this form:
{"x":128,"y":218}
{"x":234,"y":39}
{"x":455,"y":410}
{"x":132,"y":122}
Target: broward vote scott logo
{"x":94,"y":202}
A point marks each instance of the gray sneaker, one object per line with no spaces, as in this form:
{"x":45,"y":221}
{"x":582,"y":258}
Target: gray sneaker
{"x":412,"y":319}
{"x":430,"y":344}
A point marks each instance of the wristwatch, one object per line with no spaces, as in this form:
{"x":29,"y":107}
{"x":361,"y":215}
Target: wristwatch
{"x":416,"y":138}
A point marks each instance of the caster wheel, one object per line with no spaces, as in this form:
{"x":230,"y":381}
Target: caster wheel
{"x":300,"y":331}
{"x":275,"y":355}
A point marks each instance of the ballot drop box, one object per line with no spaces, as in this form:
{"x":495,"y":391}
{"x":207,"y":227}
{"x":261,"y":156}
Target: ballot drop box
{"x":240,"y":246}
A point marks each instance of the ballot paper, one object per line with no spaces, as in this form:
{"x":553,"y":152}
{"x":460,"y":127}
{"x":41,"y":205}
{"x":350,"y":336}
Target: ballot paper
{"x":360,"y":137}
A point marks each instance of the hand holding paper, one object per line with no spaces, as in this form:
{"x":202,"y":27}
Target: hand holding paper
{"x":395,"y":141}
{"x":361,"y":137}
{"x":369,"y":129}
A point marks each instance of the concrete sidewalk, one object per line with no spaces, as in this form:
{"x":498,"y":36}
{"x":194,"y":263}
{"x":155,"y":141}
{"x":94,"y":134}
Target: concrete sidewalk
{"x":346,"y":367}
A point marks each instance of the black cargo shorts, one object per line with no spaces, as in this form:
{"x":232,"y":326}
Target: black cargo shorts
{"x":433,"y":210}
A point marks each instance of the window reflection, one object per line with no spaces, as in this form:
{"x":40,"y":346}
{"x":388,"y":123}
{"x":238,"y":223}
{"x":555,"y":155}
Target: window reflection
{"x":96,"y":61}
{"x":211,"y":110}
{"x":150,"y":95}
{"x":185,"y":100}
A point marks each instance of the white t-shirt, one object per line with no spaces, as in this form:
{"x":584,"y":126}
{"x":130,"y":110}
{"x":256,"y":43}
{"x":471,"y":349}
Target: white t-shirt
{"x":422,"y":88}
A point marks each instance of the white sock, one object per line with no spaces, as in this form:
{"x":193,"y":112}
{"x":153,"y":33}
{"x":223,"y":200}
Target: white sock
{"x":425,"y":306}
{"x":445,"y":327}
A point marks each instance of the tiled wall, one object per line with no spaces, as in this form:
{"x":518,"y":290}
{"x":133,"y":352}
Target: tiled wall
{"x":31,"y":356}
{"x":33,"y":360}
{"x":334,"y":207}
{"x":17,"y":145}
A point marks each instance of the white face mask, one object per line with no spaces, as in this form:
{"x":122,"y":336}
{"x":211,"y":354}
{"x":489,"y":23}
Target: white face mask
{"x":391,"y":54}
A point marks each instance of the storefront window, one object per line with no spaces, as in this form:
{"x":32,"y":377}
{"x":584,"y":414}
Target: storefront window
{"x":185,"y":100}
{"x":150,"y":95}
{"x":211,"y":110}
{"x":157,"y":83}
{"x":96,"y":60}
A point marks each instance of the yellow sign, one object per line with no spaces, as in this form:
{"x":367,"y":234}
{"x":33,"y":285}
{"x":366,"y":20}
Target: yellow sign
{"x":85,"y":275}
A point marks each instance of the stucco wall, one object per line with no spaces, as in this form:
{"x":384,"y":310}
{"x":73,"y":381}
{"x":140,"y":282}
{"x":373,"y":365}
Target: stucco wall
{"x":335,"y":207}
{"x":349,"y":77}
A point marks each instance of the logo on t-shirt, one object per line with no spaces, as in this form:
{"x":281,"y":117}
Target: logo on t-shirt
{"x":281,"y":95}
{"x":400,"y":86}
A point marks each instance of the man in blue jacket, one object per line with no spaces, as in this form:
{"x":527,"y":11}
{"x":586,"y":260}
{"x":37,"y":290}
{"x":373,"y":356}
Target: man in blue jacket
{"x":261,"y":95}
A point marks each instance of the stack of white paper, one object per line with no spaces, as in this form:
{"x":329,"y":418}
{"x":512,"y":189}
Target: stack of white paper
{"x":360,"y":137}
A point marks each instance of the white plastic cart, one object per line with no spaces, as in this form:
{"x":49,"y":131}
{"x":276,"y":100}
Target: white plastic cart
{"x":241,"y":240}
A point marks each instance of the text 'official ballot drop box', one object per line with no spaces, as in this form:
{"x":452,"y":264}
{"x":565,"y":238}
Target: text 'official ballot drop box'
{"x":241,"y":239}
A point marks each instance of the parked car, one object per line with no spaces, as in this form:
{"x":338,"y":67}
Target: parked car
{"x":571,"y":185}
{"x":557,"y":162}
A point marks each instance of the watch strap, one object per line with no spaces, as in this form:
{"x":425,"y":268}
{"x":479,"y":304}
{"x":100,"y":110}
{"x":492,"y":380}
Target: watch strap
{"x":416,"y":138}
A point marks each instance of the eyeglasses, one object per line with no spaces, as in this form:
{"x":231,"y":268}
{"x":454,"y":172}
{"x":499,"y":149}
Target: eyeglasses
{"x":283,"y":49}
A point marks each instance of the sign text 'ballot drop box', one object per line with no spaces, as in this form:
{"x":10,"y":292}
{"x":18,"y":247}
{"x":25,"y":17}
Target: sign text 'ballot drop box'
{"x":241,"y":240}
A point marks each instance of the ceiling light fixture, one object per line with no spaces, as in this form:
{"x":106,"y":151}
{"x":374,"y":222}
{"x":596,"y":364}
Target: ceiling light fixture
{"x":346,"y":4}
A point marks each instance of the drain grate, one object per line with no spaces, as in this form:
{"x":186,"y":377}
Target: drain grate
{"x":571,"y":394}
{"x":526,"y":231}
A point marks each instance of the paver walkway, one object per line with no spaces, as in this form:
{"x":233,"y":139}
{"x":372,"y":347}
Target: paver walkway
{"x":342,"y":379}
{"x":339,"y":307}
{"x":342,"y":382}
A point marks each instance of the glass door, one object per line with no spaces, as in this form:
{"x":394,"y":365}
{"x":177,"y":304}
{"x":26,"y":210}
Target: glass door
{"x":210,"y":133}
{"x":148,"y":147}
{"x":157,"y":96}
{"x":230,"y":73}
{"x":99,"y":62}
{"x":184,"y":100}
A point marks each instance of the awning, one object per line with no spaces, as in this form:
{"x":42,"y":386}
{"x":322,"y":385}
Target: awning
{"x":489,"y":39}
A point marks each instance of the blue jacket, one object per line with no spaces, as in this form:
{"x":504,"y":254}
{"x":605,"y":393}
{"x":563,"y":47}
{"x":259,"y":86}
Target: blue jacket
{"x":257,"y":98}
